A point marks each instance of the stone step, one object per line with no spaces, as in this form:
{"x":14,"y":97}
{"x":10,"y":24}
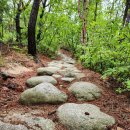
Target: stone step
{"x":33,"y":81}
{"x":43,"y":93}
{"x":83,"y":117}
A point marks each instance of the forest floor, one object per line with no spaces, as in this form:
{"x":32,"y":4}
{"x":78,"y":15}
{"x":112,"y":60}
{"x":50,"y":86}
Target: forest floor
{"x":111,"y":103}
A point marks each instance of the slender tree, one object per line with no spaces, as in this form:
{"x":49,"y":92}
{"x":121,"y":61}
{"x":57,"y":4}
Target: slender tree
{"x":3,"y":8}
{"x":20,"y":8}
{"x":95,"y":11}
{"x":31,"y":28}
{"x":17,"y":21}
{"x":83,"y":13}
{"x":41,"y":16}
{"x":126,"y":17}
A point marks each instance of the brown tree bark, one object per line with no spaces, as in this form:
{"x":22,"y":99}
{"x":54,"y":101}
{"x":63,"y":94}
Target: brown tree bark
{"x":95,"y":11}
{"x":31,"y":28}
{"x":41,"y":16}
{"x":126,"y":17}
{"x":20,"y":8}
{"x":83,"y":13}
{"x":17,"y":21}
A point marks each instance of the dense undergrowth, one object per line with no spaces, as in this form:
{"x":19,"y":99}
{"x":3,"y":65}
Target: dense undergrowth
{"x":108,"y":54}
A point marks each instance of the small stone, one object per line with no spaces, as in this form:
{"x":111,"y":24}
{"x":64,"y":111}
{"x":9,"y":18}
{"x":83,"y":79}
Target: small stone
{"x":43,"y":93}
{"x":85,"y":91}
{"x":47,"y":70}
{"x":56,"y":76}
{"x":32,"y":82}
{"x":57,"y":64}
{"x":73,"y":73}
{"x":79,"y":75}
{"x":65,"y":79}
{"x":119,"y":128}
{"x":5,"y":89}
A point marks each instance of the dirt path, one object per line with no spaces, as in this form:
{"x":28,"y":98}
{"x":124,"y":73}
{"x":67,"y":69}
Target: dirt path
{"x":115,"y":105}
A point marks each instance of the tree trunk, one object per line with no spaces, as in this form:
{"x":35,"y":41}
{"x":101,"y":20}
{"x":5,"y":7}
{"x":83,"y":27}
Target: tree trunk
{"x":95,"y":11}
{"x":41,"y":24}
{"x":126,"y":17}
{"x":83,"y":13}
{"x":2,"y":27}
{"x":17,"y":21}
{"x":2,"y":32}
{"x":31,"y":28}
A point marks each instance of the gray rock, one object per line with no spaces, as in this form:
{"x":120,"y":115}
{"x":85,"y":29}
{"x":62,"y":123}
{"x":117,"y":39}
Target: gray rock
{"x":8,"y":126}
{"x":28,"y":122}
{"x":66,"y":65}
{"x":65,"y":79}
{"x":43,"y":93}
{"x":70,"y":61}
{"x":72,"y":72}
{"x":67,"y":73}
{"x":85,"y":91}
{"x":47,"y":70}
{"x":58,"y":64}
{"x":83,"y":117}
{"x":67,"y":59}
{"x":32,"y":82}
{"x":79,"y":75}
{"x":56,"y":76}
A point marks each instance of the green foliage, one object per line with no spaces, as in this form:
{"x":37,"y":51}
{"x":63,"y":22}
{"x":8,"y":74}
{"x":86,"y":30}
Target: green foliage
{"x":59,"y":30}
{"x":108,"y":53}
{"x":122,"y":75}
{"x":107,"y":50}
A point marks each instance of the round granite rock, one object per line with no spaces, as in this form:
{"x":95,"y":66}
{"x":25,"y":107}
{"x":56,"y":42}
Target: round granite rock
{"x":33,"y":81}
{"x":83,"y":117}
{"x":43,"y":93}
{"x":85,"y":91}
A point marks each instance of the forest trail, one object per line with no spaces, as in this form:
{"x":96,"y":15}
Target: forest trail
{"x":69,"y":97}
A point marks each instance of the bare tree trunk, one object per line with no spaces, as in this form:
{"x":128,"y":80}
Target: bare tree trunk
{"x":17,"y":21}
{"x":126,"y":17}
{"x":20,"y":8}
{"x":2,"y":32}
{"x":2,"y":27}
{"x":41,"y":24}
{"x":95,"y":11}
{"x":31,"y":28}
{"x":83,"y":13}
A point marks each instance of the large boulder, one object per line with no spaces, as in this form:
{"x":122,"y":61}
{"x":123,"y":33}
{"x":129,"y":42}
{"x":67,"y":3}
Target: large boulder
{"x":85,"y":91}
{"x":33,"y":81}
{"x":83,"y":117}
{"x":43,"y":93}
{"x":26,"y":121}
{"x":47,"y":70}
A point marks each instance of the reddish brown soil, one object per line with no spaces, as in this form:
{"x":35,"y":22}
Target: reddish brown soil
{"x":110,"y":103}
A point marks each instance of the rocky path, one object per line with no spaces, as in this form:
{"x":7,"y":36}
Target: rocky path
{"x":43,"y":89}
